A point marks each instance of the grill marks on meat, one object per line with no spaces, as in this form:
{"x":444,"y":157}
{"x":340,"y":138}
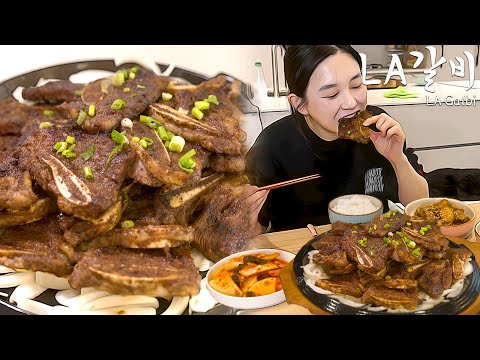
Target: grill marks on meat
{"x":156,"y":272}
{"x":85,"y":199}
{"x":147,"y":87}
{"x":389,"y":271}
{"x":38,"y":246}
{"x":53,"y":92}
{"x":352,"y":128}
{"x":37,"y":211}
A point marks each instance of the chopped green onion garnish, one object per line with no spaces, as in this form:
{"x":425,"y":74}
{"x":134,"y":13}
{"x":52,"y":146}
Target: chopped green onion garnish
{"x":91,"y":110}
{"x":143,"y":143}
{"x":170,"y":135}
{"x":118,"y":104}
{"x":126,"y":90}
{"x":213,"y":99}
{"x":202,"y":105}
{"x":69,"y":155}
{"x":127,"y":123}
{"x":375,"y":227}
{"x":81,"y":117}
{"x":87,"y":172}
{"x":162,"y":133}
{"x":125,"y":73}
{"x":77,"y":93}
{"x":72,"y":147}
{"x":170,"y":85}
{"x":45,"y":125}
{"x":89,"y":153}
{"x":421,"y":232}
{"x":416,"y":252}
{"x":388,"y":277}
{"x":49,"y":113}
{"x":197,"y":113}
{"x":386,"y":226}
{"x":141,"y":87}
{"x":134,"y":70}
{"x":167,"y":144}
{"x":127,"y":224}
{"x":411,"y":244}
{"x":133,"y":96}
{"x":166,"y":96}
{"x":60,"y":146}
{"x":186,"y":162}
{"x":136,"y":139}
{"x":119,"y":139}
{"x":150,"y":121}
{"x":176,"y":144}
{"x":118,"y":79}
{"x":131,"y":75}
{"x":70,"y":139}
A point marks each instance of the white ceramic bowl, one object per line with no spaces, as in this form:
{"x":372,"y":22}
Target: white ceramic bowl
{"x":335,"y":215}
{"x":462,"y":230}
{"x":477,"y":231}
{"x":255,"y":302}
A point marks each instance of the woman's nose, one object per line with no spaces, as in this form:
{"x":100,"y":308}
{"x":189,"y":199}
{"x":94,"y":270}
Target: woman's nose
{"x":349,"y":102}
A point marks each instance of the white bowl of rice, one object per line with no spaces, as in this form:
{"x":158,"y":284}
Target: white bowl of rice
{"x":354,"y":208}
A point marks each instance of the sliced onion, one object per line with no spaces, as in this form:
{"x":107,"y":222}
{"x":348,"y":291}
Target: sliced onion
{"x":87,"y":290}
{"x":203,"y":301}
{"x":16,"y":278}
{"x":121,"y":310}
{"x":177,"y":306}
{"x":63,"y":296}
{"x":35,"y":307}
{"x":28,"y":290}
{"x":121,"y":300}
{"x":78,"y":301}
{"x":201,"y":262}
{"x":51,"y":281}
{"x":5,"y":270}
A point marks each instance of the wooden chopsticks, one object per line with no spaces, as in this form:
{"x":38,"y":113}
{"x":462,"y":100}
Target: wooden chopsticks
{"x":289,"y":182}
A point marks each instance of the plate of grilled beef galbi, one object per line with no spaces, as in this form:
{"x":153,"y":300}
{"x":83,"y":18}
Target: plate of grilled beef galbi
{"x":107,"y":185}
{"x":392,"y":265}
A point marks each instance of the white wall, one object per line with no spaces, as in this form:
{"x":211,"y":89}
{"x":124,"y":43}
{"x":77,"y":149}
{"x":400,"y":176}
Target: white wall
{"x":237,"y":60}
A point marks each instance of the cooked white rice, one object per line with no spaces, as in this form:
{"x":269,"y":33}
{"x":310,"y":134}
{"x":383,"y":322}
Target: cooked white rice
{"x":355,"y":205}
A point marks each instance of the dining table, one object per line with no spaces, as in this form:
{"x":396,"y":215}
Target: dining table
{"x":294,"y":240}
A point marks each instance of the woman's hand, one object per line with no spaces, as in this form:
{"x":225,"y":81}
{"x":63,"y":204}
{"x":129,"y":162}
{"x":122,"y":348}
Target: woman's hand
{"x":390,"y":138}
{"x":255,"y":200}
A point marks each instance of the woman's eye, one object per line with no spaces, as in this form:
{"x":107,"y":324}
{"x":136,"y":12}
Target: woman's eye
{"x":357,"y":86}
{"x":332,"y":96}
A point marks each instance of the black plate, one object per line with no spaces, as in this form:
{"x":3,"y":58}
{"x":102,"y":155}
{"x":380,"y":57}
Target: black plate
{"x":470,"y":291}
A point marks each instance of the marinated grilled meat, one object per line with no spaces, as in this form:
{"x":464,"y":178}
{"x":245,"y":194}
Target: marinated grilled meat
{"x":38,"y":246}
{"x":164,"y":165}
{"x":193,"y":130}
{"x":432,"y":240}
{"x":8,"y":142}
{"x":331,"y":253}
{"x":353,"y":129}
{"x":396,"y":283}
{"x":145,"y":88}
{"x":369,"y":253}
{"x":348,"y":284}
{"x":221,"y":228}
{"x":382,"y":224}
{"x":177,"y":206}
{"x":84,"y":230}
{"x":225,"y":117}
{"x":53,"y":92}
{"x":391,"y":298}
{"x":37,"y":211}
{"x":340,"y":227}
{"x":14,"y":115}
{"x":403,"y":253}
{"x":457,"y":259}
{"x":16,"y":192}
{"x":144,"y":237}
{"x":435,"y":278}
{"x":227,"y":163}
{"x":155,"y":272}
{"x":64,"y":177}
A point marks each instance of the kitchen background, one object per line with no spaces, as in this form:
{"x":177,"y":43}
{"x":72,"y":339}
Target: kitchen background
{"x":443,"y":136}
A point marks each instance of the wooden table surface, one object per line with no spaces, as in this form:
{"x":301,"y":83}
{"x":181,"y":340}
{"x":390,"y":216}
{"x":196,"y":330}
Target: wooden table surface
{"x":293,"y":240}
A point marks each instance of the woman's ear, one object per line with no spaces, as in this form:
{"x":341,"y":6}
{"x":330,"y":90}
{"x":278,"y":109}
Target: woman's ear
{"x":295,"y":101}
